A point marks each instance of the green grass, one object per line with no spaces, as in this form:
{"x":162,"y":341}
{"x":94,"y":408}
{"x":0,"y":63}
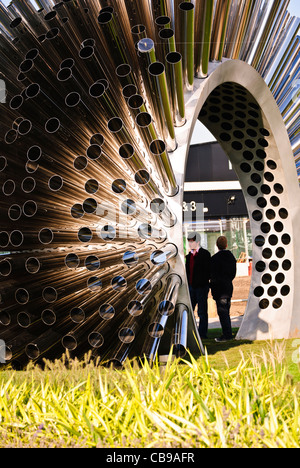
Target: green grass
{"x":241,"y":394}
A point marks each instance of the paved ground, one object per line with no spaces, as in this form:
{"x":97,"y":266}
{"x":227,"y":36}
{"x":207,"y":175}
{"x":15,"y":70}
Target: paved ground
{"x":235,"y":322}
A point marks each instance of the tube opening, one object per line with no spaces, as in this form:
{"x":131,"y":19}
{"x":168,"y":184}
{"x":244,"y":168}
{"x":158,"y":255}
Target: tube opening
{"x":50,"y":294}
{"x":156,"y":330}
{"x":107,"y":312}
{"x":46,"y":236}
{"x":48,"y":317}
{"x":126,"y":335}
{"x":95,"y":340}
{"x":32,"y":265}
{"x":92,"y":263}
{"x":85,"y":234}
{"x":77,"y":315}
{"x":119,"y":283}
{"x":32,"y":351}
{"x":72,"y":261}
{"x":135,"y":308}
{"x":22,"y":296}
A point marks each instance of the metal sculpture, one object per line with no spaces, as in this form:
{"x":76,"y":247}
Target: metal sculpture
{"x":101,"y":101}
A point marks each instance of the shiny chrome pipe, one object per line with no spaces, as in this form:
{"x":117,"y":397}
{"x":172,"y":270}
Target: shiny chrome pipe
{"x":219,"y":29}
{"x":162,"y":105}
{"x":181,"y":330}
{"x":163,"y":167}
{"x":160,"y":207}
{"x":164,"y":255}
{"x":187,"y":37}
{"x":175,"y":85}
{"x":169,"y":300}
{"x":204,"y":11}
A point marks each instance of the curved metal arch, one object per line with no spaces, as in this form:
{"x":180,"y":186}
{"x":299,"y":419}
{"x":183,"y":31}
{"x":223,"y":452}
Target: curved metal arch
{"x":272,"y":308}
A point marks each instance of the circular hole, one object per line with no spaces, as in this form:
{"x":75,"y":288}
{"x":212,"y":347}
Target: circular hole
{"x":280,"y":252}
{"x":277,"y":303}
{"x":118,"y":186}
{"x":278,"y":226}
{"x":264,"y":132}
{"x":272,"y":291}
{"x":77,"y":211}
{"x":267,"y":253}
{"x":259,"y":166}
{"x":48,"y":317}
{"x":92,"y":263}
{"x":143,"y":286}
{"x":267,"y":278}
{"x":32,"y":265}
{"x":260,"y":241}
{"x":32,"y":351}
{"x":119,"y":283}
{"x":225,"y":137}
{"x":252,"y":123}
{"x":252,"y":133}
{"x":252,"y":191}
{"x":248,"y":155}
{"x":286,"y":265}
{"x":272,"y":165}
{"x":135,"y":308}
{"x":262,"y":202}
{"x":69,"y":342}
{"x":237,"y":146}
{"x":5,"y":318}
{"x":286,"y":239}
{"x":285,"y":290}
{"x":95,"y":340}
{"x":245,"y":167}
{"x":260,"y":266}
{"x":77,"y":315}
{"x":265,"y":228}
{"x":256,"y":178}
{"x":253,"y":114}
{"x":156,"y":330}
{"x":275,"y":201}
{"x":226,"y":126}
{"x":259,"y":291}
{"x":46,"y":236}
{"x":278,"y":188}
{"x":269,"y":177}
{"x":283,"y":213}
{"x":108,"y":233}
{"x":266,"y":190}
{"x":50,"y":295}
{"x":262,"y":142}
{"x":85,"y":234}
{"x":279,"y":278}
{"x":250,"y":144}
{"x":72,"y":261}
{"x":270,"y":214}
{"x":107,"y":312}
{"x":273,"y":240}
{"x":142,"y":177}
{"x":92,"y":186}
{"x":94,"y":284}
{"x":274,"y":265}
{"x":239,"y":124}
{"x":130,"y":258}
{"x":257,"y":215}
{"x":126,"y":335}
{"x":264,"y":304}
{"x":261,"y":154}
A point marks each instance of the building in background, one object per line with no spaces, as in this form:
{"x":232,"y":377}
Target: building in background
{"x":212,"y":182}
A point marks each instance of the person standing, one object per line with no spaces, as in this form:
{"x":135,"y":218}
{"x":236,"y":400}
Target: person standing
{"x":198,"y":273}
{"x":223,"y":272}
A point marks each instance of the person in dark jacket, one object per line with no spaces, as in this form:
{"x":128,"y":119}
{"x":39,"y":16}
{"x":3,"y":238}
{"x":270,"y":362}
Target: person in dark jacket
{"x":198,"y":273}
{"x":223,"y":272}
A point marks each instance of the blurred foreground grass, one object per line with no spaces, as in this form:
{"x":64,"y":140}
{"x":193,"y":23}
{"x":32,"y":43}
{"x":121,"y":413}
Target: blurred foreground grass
{"x":241,"y":394}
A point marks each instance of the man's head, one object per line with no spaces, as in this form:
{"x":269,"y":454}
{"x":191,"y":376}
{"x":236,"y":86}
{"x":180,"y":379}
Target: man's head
{"x":222,"y":243}
{"x":194,"y":240}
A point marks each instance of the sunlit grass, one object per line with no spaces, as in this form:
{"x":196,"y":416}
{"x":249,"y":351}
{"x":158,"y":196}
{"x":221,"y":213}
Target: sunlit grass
{"x":191,"y":403}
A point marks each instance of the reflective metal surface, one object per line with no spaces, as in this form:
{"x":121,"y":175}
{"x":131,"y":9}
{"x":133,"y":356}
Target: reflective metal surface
{"x":99,"y":104}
